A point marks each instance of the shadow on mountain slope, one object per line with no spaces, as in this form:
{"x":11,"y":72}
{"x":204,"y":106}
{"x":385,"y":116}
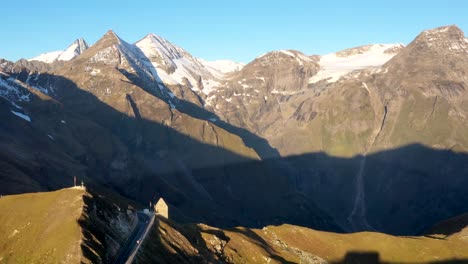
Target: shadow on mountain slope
{"x":259,"y":144}
{"x":139,"y":158}
{"x":448,"y":227}
{"x":408,"y":189}
{"x":105,"y":224}
{"x":371,"y":257}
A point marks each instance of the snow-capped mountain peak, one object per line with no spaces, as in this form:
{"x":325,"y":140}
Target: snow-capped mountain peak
{"x":174,"y":65}
{"x":154,"y":45}
{"x":75,"y":49}
{"x":112,"y":50}
{"x":442,"y":39}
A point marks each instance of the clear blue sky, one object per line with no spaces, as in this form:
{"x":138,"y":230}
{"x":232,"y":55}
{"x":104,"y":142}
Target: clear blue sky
{"x":238,"y":30}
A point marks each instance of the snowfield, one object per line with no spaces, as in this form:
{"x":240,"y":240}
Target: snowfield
{"x":333,"y":66}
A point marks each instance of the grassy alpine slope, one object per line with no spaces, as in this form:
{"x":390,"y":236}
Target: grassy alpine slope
{"x":41,"y":227}
{"x":70,"y":225}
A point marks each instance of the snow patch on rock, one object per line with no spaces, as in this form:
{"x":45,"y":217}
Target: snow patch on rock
{"x":334,"y":66}
{"x":11,"y":91}
{"x":21,"y":115}
{"x":220,"y":67}
{"x":48,"y":57}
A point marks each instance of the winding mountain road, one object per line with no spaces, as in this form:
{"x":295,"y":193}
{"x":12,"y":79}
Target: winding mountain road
{"x":128,"y":251}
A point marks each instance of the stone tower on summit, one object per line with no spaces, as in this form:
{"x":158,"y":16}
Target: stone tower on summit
{"x":161,"y":208}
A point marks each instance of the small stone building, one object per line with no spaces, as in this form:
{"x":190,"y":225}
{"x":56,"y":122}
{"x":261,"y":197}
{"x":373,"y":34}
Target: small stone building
{"x":161,"y":208}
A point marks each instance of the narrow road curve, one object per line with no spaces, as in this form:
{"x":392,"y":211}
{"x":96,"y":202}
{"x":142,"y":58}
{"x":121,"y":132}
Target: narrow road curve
{"x":138,"y":234}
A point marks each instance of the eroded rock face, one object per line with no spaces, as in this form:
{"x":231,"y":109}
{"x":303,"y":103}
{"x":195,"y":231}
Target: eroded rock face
{"x":254,"y":96}
{"x":283,"y":71}
{"x":435,"y":55}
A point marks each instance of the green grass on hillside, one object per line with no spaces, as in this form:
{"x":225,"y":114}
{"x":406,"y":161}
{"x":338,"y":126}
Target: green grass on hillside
{"x":335,"y":247}
{"x":41,"y":227}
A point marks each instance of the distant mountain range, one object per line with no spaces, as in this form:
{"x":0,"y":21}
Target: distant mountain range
{"x":368,"y":138}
